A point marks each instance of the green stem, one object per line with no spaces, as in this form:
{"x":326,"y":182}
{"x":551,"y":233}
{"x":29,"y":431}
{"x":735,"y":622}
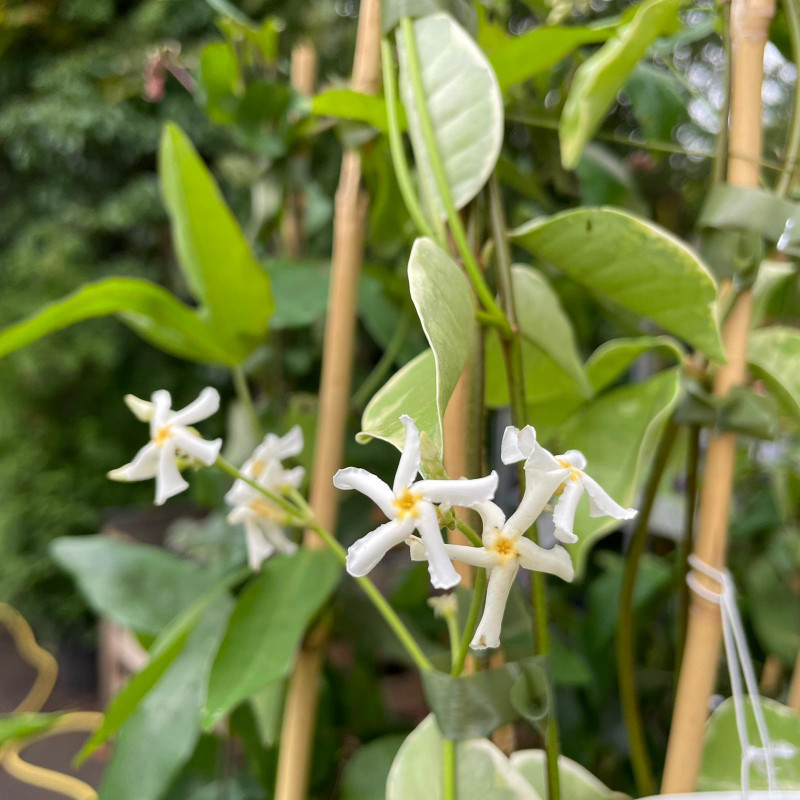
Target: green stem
{"x":469,"y":532}
{"x":437,"y":167}
{"x":401,"y":170}
{"x":720,"y":163}
{"x":792,"y":150}
{"x":448,"y":769}
{"x":246,"y":399}
{"x":381,"y":369}
{"x":478,"y":595}
{"x":225,"y":466}
{"x":626,"y":667}
{"x":451,"y":619}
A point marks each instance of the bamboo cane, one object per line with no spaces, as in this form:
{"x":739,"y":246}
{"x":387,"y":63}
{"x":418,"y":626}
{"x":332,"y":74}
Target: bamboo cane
{"x":350,"y":210}
{"x":793,"y":700}
{"x":749,"y":28}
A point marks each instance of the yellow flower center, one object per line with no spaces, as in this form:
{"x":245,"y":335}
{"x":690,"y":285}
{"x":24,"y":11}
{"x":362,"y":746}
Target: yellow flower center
{"x":162,"y":434}
{"x":574,"y":475}
{"x":406,"y":503}
{"x":259,"y":465}
{"x":503,"y":546}
{"x":266,"y":509}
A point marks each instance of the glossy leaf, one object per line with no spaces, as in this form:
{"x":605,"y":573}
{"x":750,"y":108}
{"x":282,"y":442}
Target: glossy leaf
{"x":774,"y":356}
{"x":364,"y":776}
{"x":267,"y":626}
{"x":657,"y":100}
{"x":577,"y":783}
{"x":392,"y":11}
{"x":349,"y":104}
{"x":613,"y":358}
{"x":632,"y":262}
{"x":464,"y":103}
{"x":482,"y":769}
{"x":153,"y":312}
{"x":136,"y":585}
{"x":722,"y":753}
{"x":213,"y":253}
{"x":444,"y":302}
{"x":617,"y":433}
{"x":598,"y":80}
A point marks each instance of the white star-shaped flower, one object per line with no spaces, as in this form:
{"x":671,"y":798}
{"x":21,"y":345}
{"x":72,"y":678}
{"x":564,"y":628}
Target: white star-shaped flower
{"x":519,"y":445}
{"x":262,"y":519}
{"x":409,"y":505}
{"x":170,"y":438}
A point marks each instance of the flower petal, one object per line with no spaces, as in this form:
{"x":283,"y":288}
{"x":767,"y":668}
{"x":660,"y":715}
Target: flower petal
{"x":517,"y":444}
{"x":409,"y":459}
{"x":443,"y":573}
{"x":542,"y":459}
{"x":277,"y":538}
{"x":368,"y":484}
{"x":491,"y":515}
{"x":141,"y":409}
{"x":601,"y":505}
{"x":240,"y":493}
{"x":464,"y":492}
{"x":555,"y":561}
{"x":293,"y":477}
{"x":564,"y":512}
{"x":143,"y":467}
{"x":576,"y":458}
{"x":162,"y":403}
{"x":258,"y":548}
{"x":206,"y":404}
{"x":475,"y":556}
{"x":190,"y":443}
{"x":539,"y":488}
{"x":169,"y":480}
{"x":291,"y":444}
{"x":364,"y":554}
{"x":487,"y":634}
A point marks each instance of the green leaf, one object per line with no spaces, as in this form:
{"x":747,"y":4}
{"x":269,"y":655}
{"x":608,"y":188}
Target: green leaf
{"x":136,"y":585}
{"x":219,"y":82}
{"x":364,"y":776}
{"x":300,"y":289}
{"x":657,"y":100}
{"x":160,"y":736}
{"x":464,"y":104}
{"x":577,"y":783}
{"x":539,"y":50}
{"x":634,"y":263}
{"x":15,"y":727}
{"x":392,"y":11}
{"x":411,"y":390}
{"x":606,"y":179}
{"x":598,"y":80}
{"x":617,"y":433}
{"x":722,"y":753}
{"x":267,"y":626}
{"x":774,"y":356}
{"x":442,"y":296}
{"x":613,"y":358}
{"x":153,"y":312}
{"x":213,"y":253}
{"x":267,"y":707}
{"x":482,"y":770}
{"x":544,"y":323}
{"x":349,"y":104}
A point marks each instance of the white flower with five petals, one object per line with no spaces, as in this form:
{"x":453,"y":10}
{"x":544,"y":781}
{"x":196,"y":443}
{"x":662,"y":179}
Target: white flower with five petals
{"x":170,"y":438}
{"x":519,"y":445}
{"x":263,"y":519}
{"x":409,"y":505}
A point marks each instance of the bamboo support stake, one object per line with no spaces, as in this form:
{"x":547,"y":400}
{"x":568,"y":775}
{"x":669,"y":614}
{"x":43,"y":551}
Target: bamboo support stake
{"x":793,"y":700}
{"x":350,"y":210}
{"x":749,"y":28}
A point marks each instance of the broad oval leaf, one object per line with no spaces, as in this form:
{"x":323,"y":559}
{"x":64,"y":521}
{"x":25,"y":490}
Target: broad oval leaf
{"x":598,"y":80}
{"x":614,"y":357}
{"x":150,"y":310}
{"x":482,"y":769}
{"x":774,"y":355}
{"x":464,"y":104}
{"x":267,"y":626}
{"x":577,"y":783}
{"x":349,"y":104}
{"x":634,"y":263}
{"x":220,"y":268}
{"x":364,"y":775}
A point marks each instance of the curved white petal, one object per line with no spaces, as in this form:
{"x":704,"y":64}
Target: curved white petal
{"x":143,"y":467}
{"x":542,"y":459}
{"x":564,"y":512}
{"x":258,"y":548}
{"x":293,"y":477}
{"x":204,"y":451}
{"x":363,"y":555}
{"x":487,"y":634}
{"x":206,"y":404}
{"x":474,"y":556}
{"x":576,"y":458}
{"x":539,"y":488}
{"x":368,"y":484}
{"x":141,"y":409}
{"x":601,"y":505}
{"x":555,"y":561}
{"x":443,"y":573}
{"x":464,"y":492}
{"x":162,"y":403}
{"x":409,"y":459}
{"x":491,"y":515}
{"x":276,"y":536}
{"x":169,"y":480}
{"x":517,"y":444}
{"x":291,"y":443}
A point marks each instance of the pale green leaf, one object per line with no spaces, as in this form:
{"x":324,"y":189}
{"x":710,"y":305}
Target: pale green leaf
{"x":213,"y":253}
{"x":774,"y":355}
{"x":19,"y":726}
{"x":613,"y":358}
{"x":482,"y":770}
{"x":153,"y":312}
{"x":598,"y":80}
{"x":657,"y":99}
{"x":632,"y":262}
{"x":301,"y":292}
{"x":722,"y":753}
{"x":577,"y":783}
{"x":349,"y":104}
{"x":364,"y":775}
{"x":464,"y":103}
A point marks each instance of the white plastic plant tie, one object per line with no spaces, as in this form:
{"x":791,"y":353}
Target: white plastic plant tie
{"x":739,"y":663}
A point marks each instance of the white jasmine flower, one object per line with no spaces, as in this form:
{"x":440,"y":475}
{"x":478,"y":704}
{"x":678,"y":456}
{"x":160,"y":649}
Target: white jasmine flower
{"x":409,"y":505}
{"x":170,"y":438}
{"x":522,"y":444}
{"x":504,"y":551}
{"x":443,"y":605}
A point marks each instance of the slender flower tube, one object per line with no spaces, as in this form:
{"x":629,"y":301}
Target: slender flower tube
{"x":261,"y":518}
{"x":519,"y":445}
{"x":170,"y":438}
{"x":409,"y":505}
